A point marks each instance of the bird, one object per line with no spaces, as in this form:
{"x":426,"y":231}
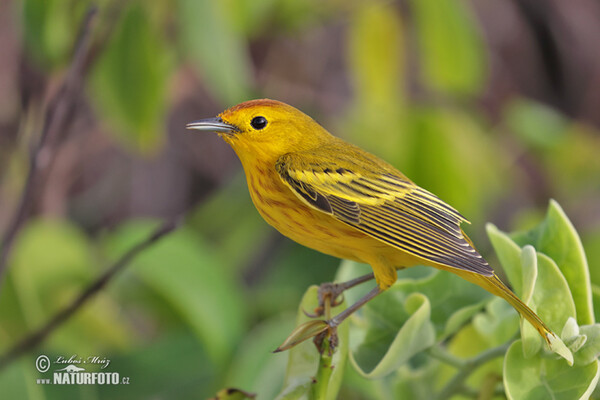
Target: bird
{"x":333,"y":197}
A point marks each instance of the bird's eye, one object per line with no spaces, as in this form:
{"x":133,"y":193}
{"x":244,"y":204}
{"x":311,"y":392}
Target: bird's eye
{"x":258,"y":123}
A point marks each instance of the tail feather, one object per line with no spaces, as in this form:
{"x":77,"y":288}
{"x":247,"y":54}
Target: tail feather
{"x":494,"y":285}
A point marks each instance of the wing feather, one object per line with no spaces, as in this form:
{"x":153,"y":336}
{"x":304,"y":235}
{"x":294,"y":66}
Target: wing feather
{"x":379,"y":201}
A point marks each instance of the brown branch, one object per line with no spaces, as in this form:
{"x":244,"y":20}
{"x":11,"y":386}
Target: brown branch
{"x":56,"y":118}
{"x":38,"y":336}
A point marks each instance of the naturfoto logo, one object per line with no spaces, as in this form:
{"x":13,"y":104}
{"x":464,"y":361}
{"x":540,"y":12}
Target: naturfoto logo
{"x":74,"y":371}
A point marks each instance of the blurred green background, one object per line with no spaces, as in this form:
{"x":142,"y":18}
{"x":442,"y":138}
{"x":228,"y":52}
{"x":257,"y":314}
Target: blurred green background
{"x":491,"y":105}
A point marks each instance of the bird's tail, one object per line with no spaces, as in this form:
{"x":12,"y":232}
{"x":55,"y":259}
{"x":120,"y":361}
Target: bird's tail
{"x":494,"y":285}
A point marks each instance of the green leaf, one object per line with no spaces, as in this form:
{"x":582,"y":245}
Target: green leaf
{"x":129,"y":81}
{"x":305,"y":331}
{"x":557,"y":238}
{"x":509,"y":255}
{"x":183,"y":270}
{"x":529,"y":270}
{"x":590,"y":351}
{"x":305,"y":363}
{"x":544,"y":378}
{"x":217,"y":50}
{"x":411,"y":330}
{"x":451,"y":50}
{"x":548,"y":286}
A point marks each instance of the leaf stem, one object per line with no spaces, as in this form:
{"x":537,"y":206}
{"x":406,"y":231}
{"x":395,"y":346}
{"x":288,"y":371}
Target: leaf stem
{"x":444,"y":356}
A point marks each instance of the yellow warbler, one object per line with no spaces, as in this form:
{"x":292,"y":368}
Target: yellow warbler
{"x":336,"y":198}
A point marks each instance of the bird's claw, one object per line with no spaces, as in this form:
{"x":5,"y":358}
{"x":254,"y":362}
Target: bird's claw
{"x":329,"y":295}
{"x":318,"y":312}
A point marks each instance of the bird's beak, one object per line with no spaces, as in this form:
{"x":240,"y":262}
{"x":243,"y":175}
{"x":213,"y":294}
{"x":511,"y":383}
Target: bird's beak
{"x":213,"y":124}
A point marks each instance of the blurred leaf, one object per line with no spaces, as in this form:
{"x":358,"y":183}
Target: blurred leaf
{"x":535,"y":124}
{"x":452,"y":54}
{"x":557,"y":238}
{"x":376,"y":62}
{"x":414,"y":383}
{"x":129,"y":81}
{"x":292,"y":15}
{"x":249,"y":18}
{"x":255,"y":367}
{"x":185,"y":272}
{"x":451,"y":157}
{"x":591,"y":244}
{"x":376,"y":55}
{"x":49,"y":256}
{"x":497,"y":324}
{"x":217,"y":50}
{"x":304,"y":359}
{"x":289,"y":272}
{"x":575,"y":177}
{"x":50,"y":28}
{"x":544,"y":378}
{"x":18,"y":381}
{"x":470,"y":342}
{"x":51,"y":264}
{"x":240,"y":232}
{"x":172,"y":365}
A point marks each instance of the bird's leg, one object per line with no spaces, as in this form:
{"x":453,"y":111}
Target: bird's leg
{"x":338,"y":319}
{"x":329,"y":293}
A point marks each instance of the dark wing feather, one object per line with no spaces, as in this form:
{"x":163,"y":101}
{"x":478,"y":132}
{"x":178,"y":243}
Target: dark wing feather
{"x":382,"y":203}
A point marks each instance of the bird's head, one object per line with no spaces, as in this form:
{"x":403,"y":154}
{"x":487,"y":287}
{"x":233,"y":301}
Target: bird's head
{"x":265,"y":129}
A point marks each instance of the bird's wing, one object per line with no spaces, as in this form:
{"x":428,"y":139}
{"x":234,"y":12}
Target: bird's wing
{"x":374,"y":198}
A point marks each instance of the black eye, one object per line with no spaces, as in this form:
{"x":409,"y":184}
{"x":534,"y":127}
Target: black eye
{"x":258,"y":123}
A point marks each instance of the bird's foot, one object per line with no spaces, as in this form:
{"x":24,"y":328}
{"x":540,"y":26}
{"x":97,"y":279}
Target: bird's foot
{"x":330,"y":295}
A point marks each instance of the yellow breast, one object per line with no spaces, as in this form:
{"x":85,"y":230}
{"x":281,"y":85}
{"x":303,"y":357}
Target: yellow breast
{"x":283,"y":210}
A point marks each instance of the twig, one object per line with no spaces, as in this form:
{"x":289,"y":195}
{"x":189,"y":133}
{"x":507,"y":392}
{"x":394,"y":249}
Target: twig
{"x":38,"y":336}
{"x":56,"y":117}
{"x":456,"y":383}
{"x":444,"y":356}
